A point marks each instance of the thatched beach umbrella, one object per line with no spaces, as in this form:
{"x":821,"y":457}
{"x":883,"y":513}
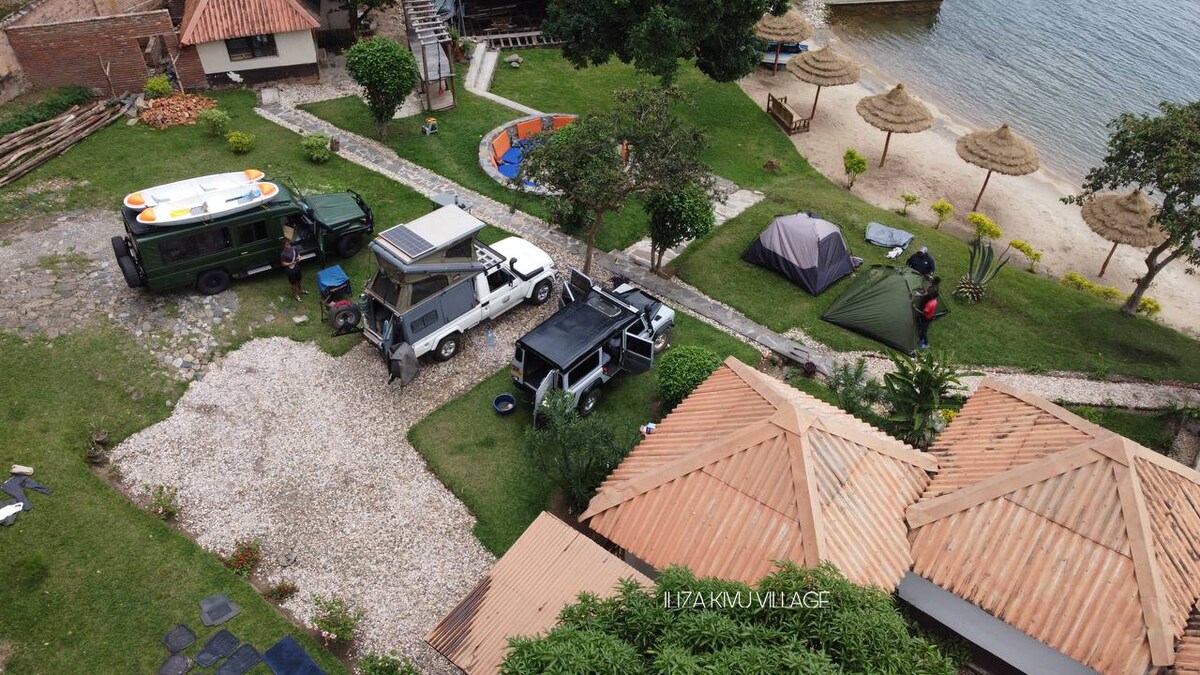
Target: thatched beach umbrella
{"x":896,"y":113}
{"x":824,"y":68}
{"x":1000,"y":150}
{"x":790,"y":26}
{"x":1123,"y":219}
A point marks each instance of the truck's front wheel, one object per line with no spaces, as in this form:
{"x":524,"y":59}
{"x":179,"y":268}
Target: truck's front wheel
{"x":541,"y":292}
{"x":349,"y":244}
{"x":590,"y":400}
{"x":447,"y":348}
{"x":211,"y":282}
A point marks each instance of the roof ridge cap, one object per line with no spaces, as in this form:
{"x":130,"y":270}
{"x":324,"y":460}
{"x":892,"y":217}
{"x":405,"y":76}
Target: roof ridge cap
{"x":1152,"y":591}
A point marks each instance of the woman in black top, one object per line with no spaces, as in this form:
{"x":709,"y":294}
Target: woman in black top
{"x":290,"y":259}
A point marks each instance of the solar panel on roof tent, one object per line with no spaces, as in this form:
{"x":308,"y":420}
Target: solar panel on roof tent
{"x":410,"y":243}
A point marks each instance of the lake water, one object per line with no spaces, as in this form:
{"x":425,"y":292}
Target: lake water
{"x":1057,"y":70}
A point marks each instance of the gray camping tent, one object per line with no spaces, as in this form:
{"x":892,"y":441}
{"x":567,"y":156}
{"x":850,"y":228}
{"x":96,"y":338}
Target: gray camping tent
{"x":804,"y":248}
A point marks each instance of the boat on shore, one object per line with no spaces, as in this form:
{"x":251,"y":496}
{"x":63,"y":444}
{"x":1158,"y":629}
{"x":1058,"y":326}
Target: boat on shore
{"x":208,"y":205}
{"x":190,"y":188}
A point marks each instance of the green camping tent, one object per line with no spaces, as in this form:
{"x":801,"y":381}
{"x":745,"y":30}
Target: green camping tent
{"x":878,"y":305}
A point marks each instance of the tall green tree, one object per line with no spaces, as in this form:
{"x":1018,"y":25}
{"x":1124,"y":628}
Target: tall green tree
{"x":812,"y":621}
{"x":599,"y":161}
{"x":387,"y":72}
{"x":357,"y":11}
{"x":1161,"y":155}
{"x":676,"y":217}
{"x":654,"y":34}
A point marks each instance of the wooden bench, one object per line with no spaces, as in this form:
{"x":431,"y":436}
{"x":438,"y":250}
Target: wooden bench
{"x":789,"y":119}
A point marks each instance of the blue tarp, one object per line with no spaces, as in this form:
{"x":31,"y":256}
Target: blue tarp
{"x":887,"y":237}
{"x":331,"y":277}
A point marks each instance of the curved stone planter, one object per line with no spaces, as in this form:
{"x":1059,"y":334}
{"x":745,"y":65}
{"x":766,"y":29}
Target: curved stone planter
{"x":487,"y":157}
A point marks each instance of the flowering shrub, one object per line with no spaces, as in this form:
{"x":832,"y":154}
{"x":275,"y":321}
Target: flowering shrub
{"x":985,"y":228}
{"x":1026,"y":250}
{"x":948,"y":415}
{"x":334,"y":618}
{"x":1146,"y":306}
{"x":909,"y":199}
{"x":246,"y":556}
{"x":281,"y":592}
{"x":384,"y":664}
{"x":944,"y":211}
{"x":162,"y":501}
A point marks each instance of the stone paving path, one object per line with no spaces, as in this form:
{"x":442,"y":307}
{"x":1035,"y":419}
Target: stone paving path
{"x":737,"y":200}
{"x":381,"y":159}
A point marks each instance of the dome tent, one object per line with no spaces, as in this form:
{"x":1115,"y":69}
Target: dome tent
{"x":804,"y":248}
{"x":879,"y":305}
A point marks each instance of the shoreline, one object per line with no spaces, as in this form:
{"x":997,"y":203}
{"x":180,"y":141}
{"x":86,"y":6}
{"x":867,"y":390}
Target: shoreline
{"x":1025,"y":207}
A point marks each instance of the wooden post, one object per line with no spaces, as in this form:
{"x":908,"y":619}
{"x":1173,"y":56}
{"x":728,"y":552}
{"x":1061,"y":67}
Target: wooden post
{"x":425,"y":75}
{"x":106,"y":66}
{"x":778,"y":46}
{"x":885,"y":148}
{"x":816,"y":98}
{"x":174,"y":60}
{"x":1104,"y":267}
{"x":985,"y":182}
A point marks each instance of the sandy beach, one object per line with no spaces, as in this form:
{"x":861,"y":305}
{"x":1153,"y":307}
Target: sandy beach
{"x":926,"y":164}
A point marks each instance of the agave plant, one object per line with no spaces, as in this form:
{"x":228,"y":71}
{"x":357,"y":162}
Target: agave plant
{"x":982,"y":267}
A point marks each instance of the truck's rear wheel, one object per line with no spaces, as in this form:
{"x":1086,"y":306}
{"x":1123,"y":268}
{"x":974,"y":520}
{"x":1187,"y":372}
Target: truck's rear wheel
{"x":349,"y":244}
{"x":541,"y":292}
{"x":129,"y":271}
{"x":211,"y":282}
{"x":121,"y":248}
{"x":590,"y":400}
{"x":448,"y":347}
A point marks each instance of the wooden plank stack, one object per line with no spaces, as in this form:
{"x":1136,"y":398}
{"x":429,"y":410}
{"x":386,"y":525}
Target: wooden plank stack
{"x":25,"y":150}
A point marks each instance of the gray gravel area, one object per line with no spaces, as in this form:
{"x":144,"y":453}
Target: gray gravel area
{"x":58,"y":272}
{"x":308,"y":453}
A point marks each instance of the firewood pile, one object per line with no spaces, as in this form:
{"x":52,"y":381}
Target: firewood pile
{"x":172,"y":111}
{"x":25,"y":150}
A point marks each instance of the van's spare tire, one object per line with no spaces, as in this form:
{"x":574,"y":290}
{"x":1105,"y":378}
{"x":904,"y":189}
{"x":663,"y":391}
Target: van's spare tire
{"x":129,"y":271}
{"x":121,"y":248}
{"x":345,"y":316}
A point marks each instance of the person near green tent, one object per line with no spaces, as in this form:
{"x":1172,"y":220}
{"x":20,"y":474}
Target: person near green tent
{"x":926,"y":305}
{"x":922,"y":262}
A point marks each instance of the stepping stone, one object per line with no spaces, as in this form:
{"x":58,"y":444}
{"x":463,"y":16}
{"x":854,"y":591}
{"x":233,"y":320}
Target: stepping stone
{"x":218,"y":647}
{"x":241,"y":661}
{"x":217,"y":609}
{"x":178,"y":638}
{"x":176,"y":664}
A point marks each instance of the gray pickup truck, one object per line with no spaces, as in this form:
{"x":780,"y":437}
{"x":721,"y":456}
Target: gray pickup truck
{"x":595,"y":335}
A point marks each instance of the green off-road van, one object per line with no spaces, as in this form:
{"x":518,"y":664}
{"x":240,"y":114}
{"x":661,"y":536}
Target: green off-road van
{"x":207,"y":254}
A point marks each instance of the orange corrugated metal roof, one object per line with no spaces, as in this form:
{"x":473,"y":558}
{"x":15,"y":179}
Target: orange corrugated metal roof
{"x":1001,"y":427}
{"x":212,"y":20}
{"x":546,"y":569}
{"x":747,"y":470}
{"x":1093,"y":549}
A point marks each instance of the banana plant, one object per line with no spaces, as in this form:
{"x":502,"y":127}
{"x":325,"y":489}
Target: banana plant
{"x":915,"y":390}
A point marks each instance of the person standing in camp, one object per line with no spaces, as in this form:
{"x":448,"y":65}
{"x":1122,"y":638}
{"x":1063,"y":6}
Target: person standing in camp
{"x":290,"y":259}
{"x":922,"y":262}
{"x":926,"y":308}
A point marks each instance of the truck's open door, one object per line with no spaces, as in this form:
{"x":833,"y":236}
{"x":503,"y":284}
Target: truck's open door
{"x":637,"y":355}
{"x":577,"y":285}
{"x":552,"y":380}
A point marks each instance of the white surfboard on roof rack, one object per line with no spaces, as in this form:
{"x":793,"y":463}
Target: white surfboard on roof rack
{"x":189,"y":188}
{"x":208,"y":205}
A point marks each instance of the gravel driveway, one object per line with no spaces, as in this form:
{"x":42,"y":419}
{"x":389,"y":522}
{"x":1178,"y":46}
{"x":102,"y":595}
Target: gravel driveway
{"x":308,"y":452}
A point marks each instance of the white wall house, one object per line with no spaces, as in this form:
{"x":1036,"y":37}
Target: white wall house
{"x":255,"y":40}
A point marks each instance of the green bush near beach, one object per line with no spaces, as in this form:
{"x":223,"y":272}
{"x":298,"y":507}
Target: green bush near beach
{"x":1027,"y":320}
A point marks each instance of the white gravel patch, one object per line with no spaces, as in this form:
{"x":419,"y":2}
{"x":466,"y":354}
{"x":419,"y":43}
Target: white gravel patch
{"x":308,"y":452}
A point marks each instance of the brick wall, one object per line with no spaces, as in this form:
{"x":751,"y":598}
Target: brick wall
{"x":57,"y":54}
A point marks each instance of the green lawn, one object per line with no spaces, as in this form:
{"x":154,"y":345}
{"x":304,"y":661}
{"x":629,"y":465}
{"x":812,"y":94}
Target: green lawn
{"x":1028,"y":321}
{"x":91,"y":583}
{"x":478,"y":454}
{"x":453,"y":152}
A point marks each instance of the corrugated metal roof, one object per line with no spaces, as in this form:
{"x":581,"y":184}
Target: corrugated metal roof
{"x":546,"y":569}
{"x":747,"y":470}
{"x":1001,"y":427}
{"x":212,"y":20}
{"x":1093,"y":548}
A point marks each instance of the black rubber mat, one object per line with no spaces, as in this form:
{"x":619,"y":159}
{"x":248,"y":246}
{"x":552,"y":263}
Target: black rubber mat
{"x":242,"y":660}
{"x":217,"y":609}
{"x":218,"y":647}
{"x":287,"y":657}
{"x":176,"y":664}
{"x":178,"y":638}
